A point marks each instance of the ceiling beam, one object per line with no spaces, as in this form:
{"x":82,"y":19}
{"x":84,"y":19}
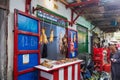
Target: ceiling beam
{"x":108,"y":26}
{"x":104,"y":24}
{"x":84,"y":3}
{"x":87,"y":6}
{"x":109,"y":29}
{"x":103,"y":18}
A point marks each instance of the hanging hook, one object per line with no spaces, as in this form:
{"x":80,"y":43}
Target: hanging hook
{"x":50,"y":24}
{"x":58,"y":23}
{"x":51,"y":33}
{"x":43,"y":20}
{"x":64,"y":24}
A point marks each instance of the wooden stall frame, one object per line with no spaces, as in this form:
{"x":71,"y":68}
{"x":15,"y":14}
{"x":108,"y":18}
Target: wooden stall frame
{"x":68,"y":29}
{"x":16,"y":73}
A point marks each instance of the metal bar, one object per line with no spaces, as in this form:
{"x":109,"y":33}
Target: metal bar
{"x":77,"y":16}
{"x":27,"y":33}
{"x":72,"y":14}
{"x":82,"y":3}
{"x":26,"y":71}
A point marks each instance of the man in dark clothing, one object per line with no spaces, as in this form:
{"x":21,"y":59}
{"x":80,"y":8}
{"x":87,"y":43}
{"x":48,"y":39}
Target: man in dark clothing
{"x":115,"y":64}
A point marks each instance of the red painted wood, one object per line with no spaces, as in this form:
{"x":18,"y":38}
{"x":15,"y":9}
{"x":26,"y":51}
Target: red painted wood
{"x":78,"y":71}
{"x":56,"y":75}
{"x":16,"y":51}
{"x":73,"y":72}
{"x":72,"y":15}
{"x":27,"y":6}
{"x":43,"y":78}
{"x":65,"y":73}
{"x":28,"y":51}
{"x":27,"y":33}
{"x":82,"y":3}
{"x":58,"y":67}
{"x":28,"y":15}
{"x":26,"y":71}
{"x":39,"y":56}
{"x":69,"y":39}
{"x":15,"y":66}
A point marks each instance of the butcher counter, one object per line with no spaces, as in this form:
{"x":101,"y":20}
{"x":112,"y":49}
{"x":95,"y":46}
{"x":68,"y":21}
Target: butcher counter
{"x":65,"y":71}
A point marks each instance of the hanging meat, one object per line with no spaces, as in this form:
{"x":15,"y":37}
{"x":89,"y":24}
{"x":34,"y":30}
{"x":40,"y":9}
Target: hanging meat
{"x":51,"y":35}
{"x":43,"y":37}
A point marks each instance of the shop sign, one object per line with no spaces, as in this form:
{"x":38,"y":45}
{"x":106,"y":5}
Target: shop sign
{"x":82,"y":29}
{"x":50,"y":18}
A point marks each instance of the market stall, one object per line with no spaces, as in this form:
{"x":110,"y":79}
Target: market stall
{"x":66,"y":69}
{"x":44,"y":37}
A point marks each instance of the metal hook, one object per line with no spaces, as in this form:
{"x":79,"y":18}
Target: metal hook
{"x":43,"y":20}
{"x":50,"y":24}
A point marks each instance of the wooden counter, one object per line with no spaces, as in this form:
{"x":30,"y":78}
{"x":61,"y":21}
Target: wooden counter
{"x":66,"y":71}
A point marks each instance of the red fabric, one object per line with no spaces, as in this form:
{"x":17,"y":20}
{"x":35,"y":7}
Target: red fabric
{"x":98,"y":58}
{"x":107,"y":68}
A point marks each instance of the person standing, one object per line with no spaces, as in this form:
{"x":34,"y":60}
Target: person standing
{"x":115,"y":63}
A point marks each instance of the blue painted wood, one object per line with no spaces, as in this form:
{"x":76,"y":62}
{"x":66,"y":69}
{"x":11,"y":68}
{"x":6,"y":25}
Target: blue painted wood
{"x":27,"y":24}
{"x":29,"y":76}
{"x":33,"y":61}
{"x":27,"y":42}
